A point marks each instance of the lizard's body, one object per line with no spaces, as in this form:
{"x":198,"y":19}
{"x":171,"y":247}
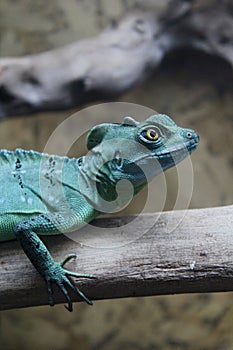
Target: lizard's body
{"x":34,"y":178}
{"x":44,"y":194}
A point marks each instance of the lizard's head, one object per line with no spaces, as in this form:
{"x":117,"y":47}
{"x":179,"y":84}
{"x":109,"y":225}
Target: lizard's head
{"x":138,"y":151}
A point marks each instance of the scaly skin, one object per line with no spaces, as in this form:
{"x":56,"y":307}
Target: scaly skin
{"x":43,"y":194}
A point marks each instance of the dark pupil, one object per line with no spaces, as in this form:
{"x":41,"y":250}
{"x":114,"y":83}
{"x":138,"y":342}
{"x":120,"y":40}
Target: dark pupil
{"x":152,"y":133}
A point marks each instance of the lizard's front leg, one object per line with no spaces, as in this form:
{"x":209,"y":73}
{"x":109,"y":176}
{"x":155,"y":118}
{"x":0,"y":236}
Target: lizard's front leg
{"x":53,"y":272}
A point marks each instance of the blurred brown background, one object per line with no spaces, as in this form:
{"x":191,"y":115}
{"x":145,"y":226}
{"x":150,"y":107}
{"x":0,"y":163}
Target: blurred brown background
{"x":196,"y":90}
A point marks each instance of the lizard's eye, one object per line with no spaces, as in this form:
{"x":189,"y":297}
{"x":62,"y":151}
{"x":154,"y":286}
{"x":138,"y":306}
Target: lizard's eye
{"x":151,"y":134}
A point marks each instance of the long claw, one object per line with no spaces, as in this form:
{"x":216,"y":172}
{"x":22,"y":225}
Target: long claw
{"x":75,"y":289}
{"x":57,"y":274}
{"x":69,"y":257}
{"x":70,"y":306}
{"x":64,"y":291}
{"x":79,"y":275}
{"x":83,"y":296}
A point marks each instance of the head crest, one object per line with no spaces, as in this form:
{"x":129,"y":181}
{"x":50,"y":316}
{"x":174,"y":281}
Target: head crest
{"x":130,"y":121}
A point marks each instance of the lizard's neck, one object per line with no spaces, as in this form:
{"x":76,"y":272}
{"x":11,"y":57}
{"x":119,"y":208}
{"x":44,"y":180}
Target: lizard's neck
{"x":98,"y":183}
{"x":95,"y":180}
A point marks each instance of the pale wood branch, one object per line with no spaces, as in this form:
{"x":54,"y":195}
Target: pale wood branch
{"x":104,"y":67}
{"x":180,"y":252}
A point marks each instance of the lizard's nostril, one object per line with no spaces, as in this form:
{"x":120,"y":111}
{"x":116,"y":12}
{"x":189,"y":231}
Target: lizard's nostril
{"x":196,"y":137}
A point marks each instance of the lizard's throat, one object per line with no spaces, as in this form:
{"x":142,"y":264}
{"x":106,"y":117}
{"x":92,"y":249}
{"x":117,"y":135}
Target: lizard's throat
{"x":96,"y":183}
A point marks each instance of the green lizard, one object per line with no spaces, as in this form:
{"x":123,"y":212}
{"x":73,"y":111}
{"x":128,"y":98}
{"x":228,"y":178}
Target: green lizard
{"x":45,"y":194}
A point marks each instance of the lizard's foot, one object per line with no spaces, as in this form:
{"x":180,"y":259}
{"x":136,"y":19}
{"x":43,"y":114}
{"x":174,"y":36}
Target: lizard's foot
{"x":59,"y":275}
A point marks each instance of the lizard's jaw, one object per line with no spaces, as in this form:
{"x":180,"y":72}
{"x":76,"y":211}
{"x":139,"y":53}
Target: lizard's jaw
{"x":183,"y":149}
{"x":175,"y":155}
{"x":158,"y":161}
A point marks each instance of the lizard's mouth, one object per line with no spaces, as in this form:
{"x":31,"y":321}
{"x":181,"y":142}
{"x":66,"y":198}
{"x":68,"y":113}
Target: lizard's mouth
{"x":170,"y":155}
{"x":180,"y":150}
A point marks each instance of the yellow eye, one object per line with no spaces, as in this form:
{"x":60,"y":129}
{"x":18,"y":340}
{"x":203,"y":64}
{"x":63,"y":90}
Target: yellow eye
{"x":152,"y":134}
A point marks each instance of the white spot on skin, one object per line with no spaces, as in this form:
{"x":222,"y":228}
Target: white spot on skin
{"x":18,"y":172}
{"x":23,"y":199}
{"x":30,"y":200}
{"x":192,"y":265}
{"x":51,"y":198}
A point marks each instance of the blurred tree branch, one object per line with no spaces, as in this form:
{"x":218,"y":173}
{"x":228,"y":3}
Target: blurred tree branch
{"x":104,"y":67}
{"x":181,"y":252}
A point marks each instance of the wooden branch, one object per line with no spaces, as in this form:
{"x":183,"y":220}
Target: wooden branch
{"x":177,"y":254}
{"x":104,"y":67}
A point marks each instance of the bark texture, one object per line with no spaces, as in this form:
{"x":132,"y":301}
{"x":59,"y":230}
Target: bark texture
{"x":181,"y":252}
